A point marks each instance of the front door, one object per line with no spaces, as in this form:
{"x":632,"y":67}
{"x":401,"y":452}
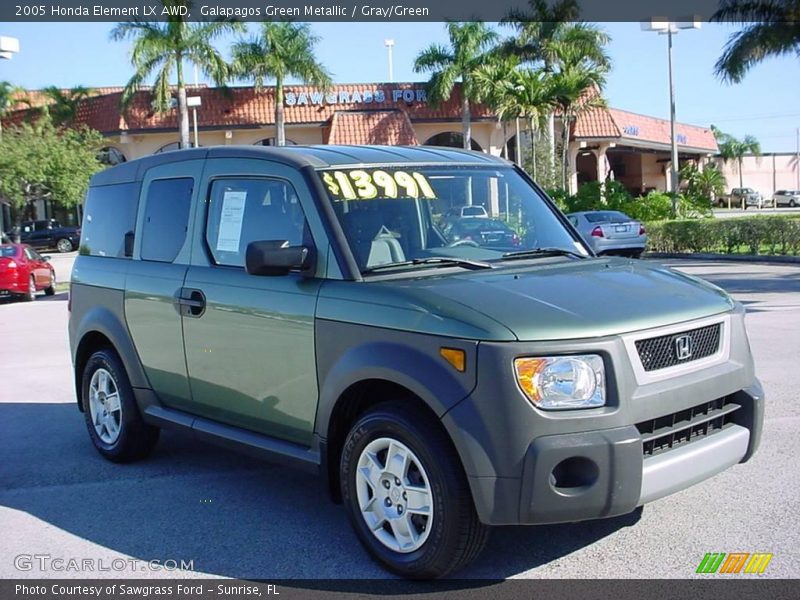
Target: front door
{"x":250,"y":345}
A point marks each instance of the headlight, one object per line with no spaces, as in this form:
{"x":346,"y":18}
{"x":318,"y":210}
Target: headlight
{"x":562,"y":382}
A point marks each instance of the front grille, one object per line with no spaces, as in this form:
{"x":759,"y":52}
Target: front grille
{"x":686,"y":426}
{"x":663,"y":351}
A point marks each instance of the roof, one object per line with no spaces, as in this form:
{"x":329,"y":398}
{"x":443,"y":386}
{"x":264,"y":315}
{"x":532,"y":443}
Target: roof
{"x":384,"y":127}
{"x":319,"y":157}
{"x":624,"y":126}
{"x":237,"y":107}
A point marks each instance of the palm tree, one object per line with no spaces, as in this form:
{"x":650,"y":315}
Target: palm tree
{"x":63,"y":104}
{"x":494,"y":87}
{"x":543,"y":34}
{"x":165,"y":48}
{"x":571,"y":83}
{"x":732,"y":148}
{"x":282,"y":49}
{"x":771,"y":28}
{"x":469,"y":42}
{"x":707,"y":183}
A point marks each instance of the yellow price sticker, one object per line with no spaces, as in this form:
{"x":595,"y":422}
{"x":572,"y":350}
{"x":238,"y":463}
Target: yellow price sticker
{"x":361,"y":184}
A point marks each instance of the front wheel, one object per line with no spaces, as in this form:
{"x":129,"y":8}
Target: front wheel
{"x":50,"y":290}
{"x":792,"y":203}
{"x":407,"y":496}
{"x":109,"y":408}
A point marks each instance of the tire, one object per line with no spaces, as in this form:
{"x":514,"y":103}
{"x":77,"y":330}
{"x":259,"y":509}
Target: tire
{"x":64,"y":245}
{"x":120,"y":434}
{"x":792,"y":203}
{"x":446,"y":539}
{"x":637,"y":254}
{"x":51,"y":290}
{"x":30,"y":295}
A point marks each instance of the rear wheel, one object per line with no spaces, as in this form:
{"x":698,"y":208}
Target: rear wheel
{"x":407,"y":496}
{"x":109,"y":408}
{"x":64,"y":245}
{"x":30,"y":294}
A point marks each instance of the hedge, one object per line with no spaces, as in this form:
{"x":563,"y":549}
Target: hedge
{"x":765,"y":235}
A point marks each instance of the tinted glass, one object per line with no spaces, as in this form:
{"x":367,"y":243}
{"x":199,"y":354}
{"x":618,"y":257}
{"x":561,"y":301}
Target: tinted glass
{"x":166,"y":218}
{"x":109,"y":213}
{"x":473,"y":211}
{"x":251,"y":210}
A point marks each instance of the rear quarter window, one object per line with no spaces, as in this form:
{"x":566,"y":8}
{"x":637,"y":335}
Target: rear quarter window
{"x":109,"y":213}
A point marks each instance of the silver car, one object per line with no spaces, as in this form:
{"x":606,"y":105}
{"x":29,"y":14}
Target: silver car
{"x":790,"y":198}
{"x":610,"y":232}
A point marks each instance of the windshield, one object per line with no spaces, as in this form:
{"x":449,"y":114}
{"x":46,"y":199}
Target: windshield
{"x":398,"y":214}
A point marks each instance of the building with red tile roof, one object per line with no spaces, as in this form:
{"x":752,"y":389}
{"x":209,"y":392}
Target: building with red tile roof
{"x":604,"y":142}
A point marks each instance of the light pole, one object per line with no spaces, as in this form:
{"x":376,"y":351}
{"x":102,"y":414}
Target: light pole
{"x":670,"y":28}
{"x":389,"y":46}
{"x":193,"y":102}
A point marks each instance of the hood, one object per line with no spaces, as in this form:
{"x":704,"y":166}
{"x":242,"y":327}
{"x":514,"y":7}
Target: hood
{"x":560,"y":299}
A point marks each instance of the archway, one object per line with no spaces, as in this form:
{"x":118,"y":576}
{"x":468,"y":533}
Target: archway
{"x":271,"y":141}
{"x":452,"y":139}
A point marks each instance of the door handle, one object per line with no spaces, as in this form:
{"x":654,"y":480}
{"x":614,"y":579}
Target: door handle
{"x":191,"y":302}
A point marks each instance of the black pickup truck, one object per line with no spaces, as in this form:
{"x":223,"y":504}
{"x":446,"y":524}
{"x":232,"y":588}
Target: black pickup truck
{"x":49,"y":233}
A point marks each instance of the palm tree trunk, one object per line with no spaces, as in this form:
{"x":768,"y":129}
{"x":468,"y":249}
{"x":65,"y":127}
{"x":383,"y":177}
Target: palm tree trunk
{"x":551,"y":140}
{"x":505,"y":143}
{"x":183,"y":109}
{"x":741,"y":182}
{"x":280,"y":129}
{"x":565,"y":151}
{"x":533,"y":151}
{"x":517,"y":142}
{"x":466,"y":119}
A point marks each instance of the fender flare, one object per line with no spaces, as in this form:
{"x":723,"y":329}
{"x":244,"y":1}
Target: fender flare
{"x":100,"y":319}
{"x":430,"y":378}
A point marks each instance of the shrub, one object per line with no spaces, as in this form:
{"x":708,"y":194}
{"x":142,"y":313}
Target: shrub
{"x":743,"y":235}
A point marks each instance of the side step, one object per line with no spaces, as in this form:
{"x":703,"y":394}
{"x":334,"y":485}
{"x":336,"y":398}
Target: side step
{"x":255,"y":444}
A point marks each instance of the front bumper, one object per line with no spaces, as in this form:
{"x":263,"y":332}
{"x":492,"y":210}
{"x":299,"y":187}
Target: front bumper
{"x":527,"y":466}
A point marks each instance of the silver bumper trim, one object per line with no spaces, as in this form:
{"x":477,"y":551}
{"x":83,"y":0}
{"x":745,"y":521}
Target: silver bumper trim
{"x":677,"y":469}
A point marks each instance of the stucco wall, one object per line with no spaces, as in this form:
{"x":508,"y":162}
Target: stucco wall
{"x":765,"y":174}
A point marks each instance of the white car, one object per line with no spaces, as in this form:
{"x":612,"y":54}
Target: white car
{"x":790,"y":198}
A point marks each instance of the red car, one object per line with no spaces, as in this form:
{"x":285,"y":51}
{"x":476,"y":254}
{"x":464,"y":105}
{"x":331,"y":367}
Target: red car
{"x":23,"y":271}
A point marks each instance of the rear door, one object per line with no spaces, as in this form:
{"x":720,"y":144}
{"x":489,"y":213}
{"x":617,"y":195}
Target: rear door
{"x":160,"y":260}
{"x":250,"y":347}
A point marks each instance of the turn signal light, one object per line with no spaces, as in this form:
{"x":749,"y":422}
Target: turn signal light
{"x":457,"y":358}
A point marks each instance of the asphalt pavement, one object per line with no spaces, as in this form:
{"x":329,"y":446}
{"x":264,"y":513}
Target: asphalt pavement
{"x":232,"y":516}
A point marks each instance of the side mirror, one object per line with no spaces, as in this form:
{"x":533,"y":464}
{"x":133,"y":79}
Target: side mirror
{"x":275,"y":257}
{"x":128,"y":249}
{"x":46,"y":258}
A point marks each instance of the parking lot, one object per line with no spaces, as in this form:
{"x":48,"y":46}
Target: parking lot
{"x":235,"y":517}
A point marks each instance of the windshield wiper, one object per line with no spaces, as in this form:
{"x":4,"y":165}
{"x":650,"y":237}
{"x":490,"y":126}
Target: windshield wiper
{"x":548,"y":251}
{"x":472,"y":265}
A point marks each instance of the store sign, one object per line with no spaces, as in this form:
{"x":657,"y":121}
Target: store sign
{"x":630,"y":130}
{"x":376,"y":96}
{"x":681,"y":138}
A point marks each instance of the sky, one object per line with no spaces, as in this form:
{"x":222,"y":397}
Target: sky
{"x":765,"y":104}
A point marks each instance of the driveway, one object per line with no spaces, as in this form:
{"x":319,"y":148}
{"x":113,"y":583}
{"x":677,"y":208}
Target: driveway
{"x":230,"y":516}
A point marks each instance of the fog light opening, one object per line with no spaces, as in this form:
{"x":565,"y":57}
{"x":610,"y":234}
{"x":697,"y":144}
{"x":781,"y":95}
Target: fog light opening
{"x":574,"y":475}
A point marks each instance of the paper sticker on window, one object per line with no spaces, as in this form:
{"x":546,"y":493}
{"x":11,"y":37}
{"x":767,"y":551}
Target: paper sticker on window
{"x":230,"y":222}
{"x":363,"y":184}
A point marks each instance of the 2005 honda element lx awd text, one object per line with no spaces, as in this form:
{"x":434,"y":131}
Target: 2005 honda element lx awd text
{"x":304,"y":304}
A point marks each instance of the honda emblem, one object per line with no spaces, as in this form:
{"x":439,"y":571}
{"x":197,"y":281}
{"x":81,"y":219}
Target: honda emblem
{"x":683,"y":347}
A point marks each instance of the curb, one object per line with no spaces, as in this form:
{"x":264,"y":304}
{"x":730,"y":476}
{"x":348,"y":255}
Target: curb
{"x":753,"y":258}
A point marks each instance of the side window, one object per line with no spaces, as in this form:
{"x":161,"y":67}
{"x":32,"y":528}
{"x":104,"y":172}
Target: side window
{"x":574,"y":221}
{"x":166,"y":218}
{"x":250,"y":210}
{"x":109,"y":213}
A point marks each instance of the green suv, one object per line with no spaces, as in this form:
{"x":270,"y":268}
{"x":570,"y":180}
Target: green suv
{"x":305,"y":305}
